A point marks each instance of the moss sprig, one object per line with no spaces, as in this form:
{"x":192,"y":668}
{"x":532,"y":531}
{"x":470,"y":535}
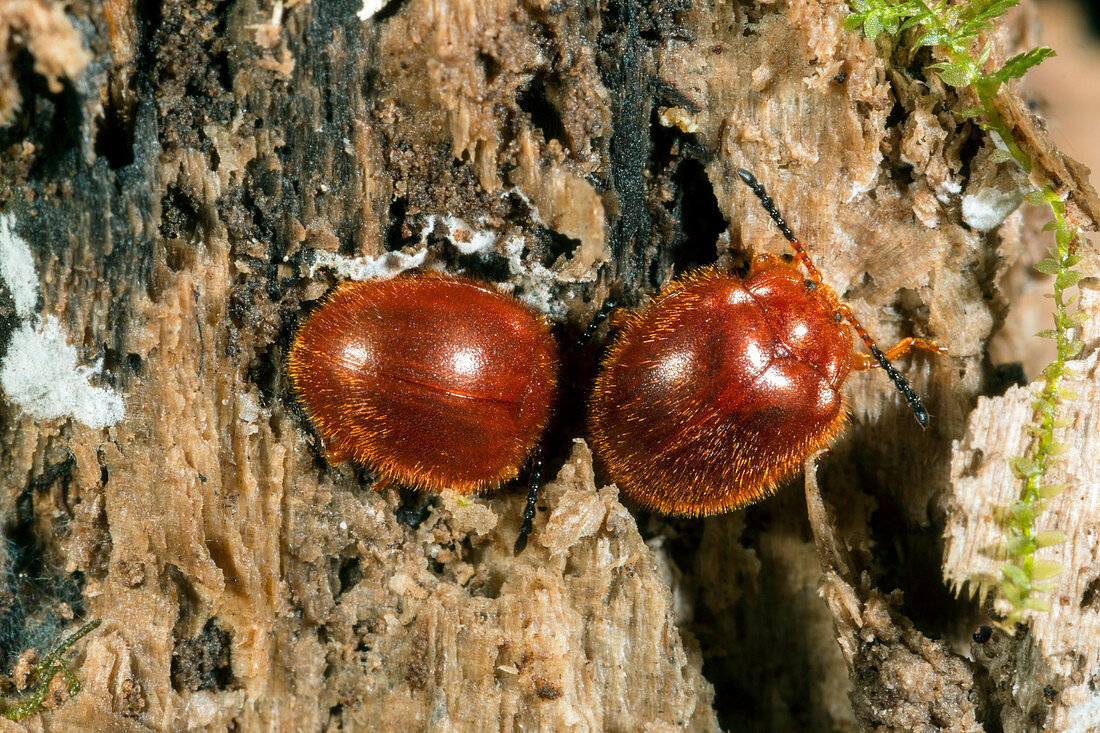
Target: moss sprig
{"x":51,"y":666}
{"x":958,"y":30}
{"x":1024,"y":575}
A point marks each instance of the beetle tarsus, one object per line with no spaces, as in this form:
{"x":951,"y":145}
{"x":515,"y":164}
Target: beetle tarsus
{"x":531,"y":507}
{"x":609,"y":304}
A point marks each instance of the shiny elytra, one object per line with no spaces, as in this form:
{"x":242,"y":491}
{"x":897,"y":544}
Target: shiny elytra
{"x":435,"y":382}
{"x":717,"y":391}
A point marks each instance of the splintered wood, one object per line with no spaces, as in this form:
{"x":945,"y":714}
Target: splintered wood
{"x":550,"y":630}
{"x":900,"y":678}
{"x":1061,"y":648}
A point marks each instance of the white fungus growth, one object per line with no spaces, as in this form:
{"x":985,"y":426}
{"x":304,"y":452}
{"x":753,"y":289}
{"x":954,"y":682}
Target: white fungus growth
{"x":41,"y":374}
{"x":464,"y":237}
{"x":946,"y":190}
{"x":1084,"y":716}
{"x":986,"y":209}
{"x":533,"y":279}
{"x":17,"y":268}
{"x":537,"y":292}
{"x":390,"y":264}
{"x":370,"y":7}
{"x":366,"y":268}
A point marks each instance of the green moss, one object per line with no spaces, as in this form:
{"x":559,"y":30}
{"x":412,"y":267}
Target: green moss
{"x":50,"y":667}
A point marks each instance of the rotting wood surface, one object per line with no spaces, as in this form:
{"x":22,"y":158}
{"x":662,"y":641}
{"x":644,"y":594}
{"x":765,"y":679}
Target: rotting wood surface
{"x":201,"y":172}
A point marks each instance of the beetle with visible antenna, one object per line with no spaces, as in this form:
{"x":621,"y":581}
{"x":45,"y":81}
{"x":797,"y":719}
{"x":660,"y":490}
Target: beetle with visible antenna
{"x":718,"y":390}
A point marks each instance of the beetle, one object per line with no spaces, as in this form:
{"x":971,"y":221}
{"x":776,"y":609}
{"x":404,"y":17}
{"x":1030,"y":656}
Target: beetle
{"x":437,"y":383}
{"x":718,"y":390}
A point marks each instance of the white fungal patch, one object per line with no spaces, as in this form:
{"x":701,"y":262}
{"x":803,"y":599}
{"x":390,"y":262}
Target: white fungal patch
{"x":42,"y":375}
{"x":945,"y":191}
{"x":1083,"y":717}
{"x":467,"y":239}
{"x":536,"y":280}
{"x":370,"y":8}
{"x":367,"y":268}
{"x":986,"y":209}
{"x":17,"y":268}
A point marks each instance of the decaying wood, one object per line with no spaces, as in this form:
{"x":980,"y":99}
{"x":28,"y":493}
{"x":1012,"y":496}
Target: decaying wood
{"x":901,"y":679}
{"x":1043,"y":678}
{"x":215,"y":167}
{"x":48,"y":36}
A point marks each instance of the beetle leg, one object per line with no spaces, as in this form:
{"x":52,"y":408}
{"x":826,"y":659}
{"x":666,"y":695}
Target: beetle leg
{"x":602,"y":314}
{"x":863,"y":362}
{"x":414,"y":508}
{"x":530,"y":507}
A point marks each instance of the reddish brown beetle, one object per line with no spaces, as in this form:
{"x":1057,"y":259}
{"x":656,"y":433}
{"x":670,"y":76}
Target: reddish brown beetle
{"x":720,"y":388}
{"x":437,"y":383}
